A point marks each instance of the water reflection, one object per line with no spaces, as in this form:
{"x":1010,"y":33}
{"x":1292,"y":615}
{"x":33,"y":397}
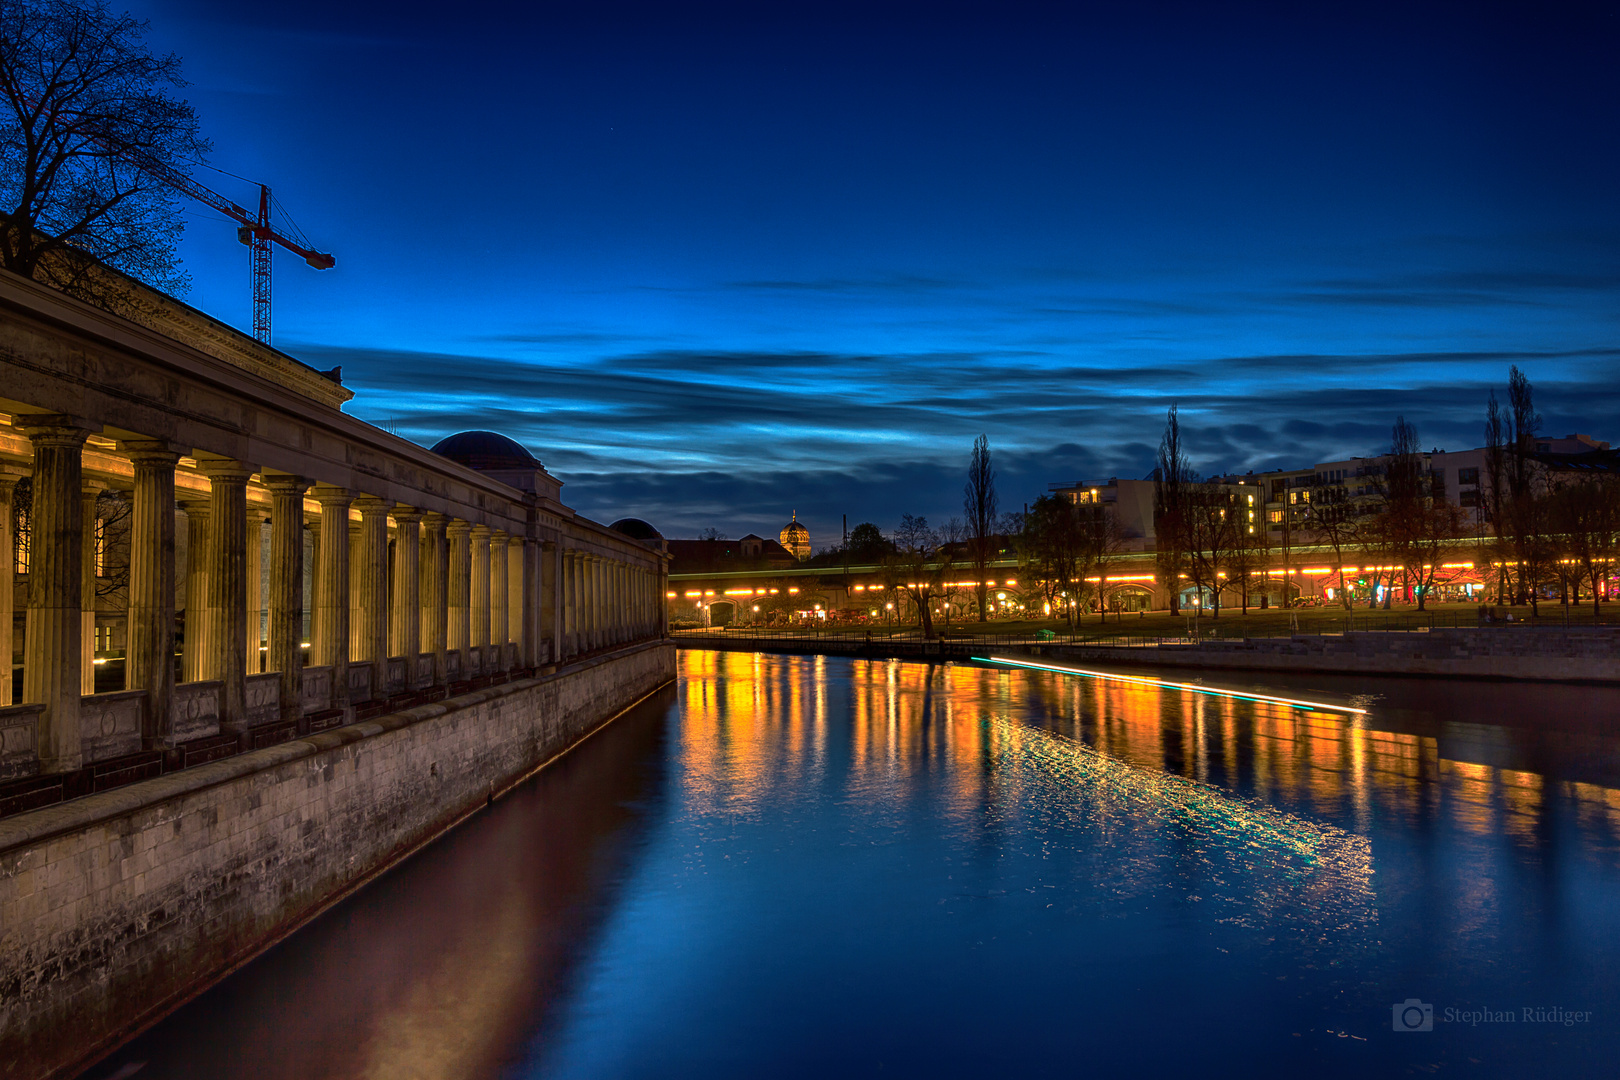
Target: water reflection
{"x":440,"y":969}
{"x":801,"y":866}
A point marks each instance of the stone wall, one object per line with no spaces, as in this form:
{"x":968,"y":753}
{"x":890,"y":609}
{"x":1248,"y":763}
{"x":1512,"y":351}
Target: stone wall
{"x":1547,"y":654}
{"x":117,"y":906}
{"x":1580,"y":654}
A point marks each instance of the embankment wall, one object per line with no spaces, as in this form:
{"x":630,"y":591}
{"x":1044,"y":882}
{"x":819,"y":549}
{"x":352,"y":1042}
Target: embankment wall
{"x":118,"y":906}
{"x":1544,"y":654}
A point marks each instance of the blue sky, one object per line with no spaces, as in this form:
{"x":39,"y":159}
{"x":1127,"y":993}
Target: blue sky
{"x":714,"y":264}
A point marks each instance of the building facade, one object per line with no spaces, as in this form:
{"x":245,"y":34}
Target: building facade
{"x":287,"y":566}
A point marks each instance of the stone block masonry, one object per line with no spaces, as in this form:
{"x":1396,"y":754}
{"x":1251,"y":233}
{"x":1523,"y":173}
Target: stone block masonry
{"x":116,"y":907}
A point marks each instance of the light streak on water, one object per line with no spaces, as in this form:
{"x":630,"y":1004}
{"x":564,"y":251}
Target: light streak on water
{"x":1192,"y":687}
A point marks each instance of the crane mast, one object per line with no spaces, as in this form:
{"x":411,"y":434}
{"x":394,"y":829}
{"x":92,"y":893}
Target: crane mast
{"x":254,"y":230}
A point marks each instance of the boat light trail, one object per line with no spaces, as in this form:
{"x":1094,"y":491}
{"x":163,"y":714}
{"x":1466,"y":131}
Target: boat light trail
{"x":1193,"y":687}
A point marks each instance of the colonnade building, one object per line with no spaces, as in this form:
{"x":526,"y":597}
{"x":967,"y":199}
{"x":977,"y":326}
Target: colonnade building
{"x":289,"y":567}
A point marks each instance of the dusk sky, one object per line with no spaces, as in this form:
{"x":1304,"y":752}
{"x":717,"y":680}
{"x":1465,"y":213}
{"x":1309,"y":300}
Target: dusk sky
{"x":716,"y":264}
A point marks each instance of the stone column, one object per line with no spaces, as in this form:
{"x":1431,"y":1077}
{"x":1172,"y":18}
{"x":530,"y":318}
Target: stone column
{"x":196,"y":609}
{"x":331,"y":644}
{"x":405,"y":622}
{"x":8,"y":554}
{"x":225,"y":641}
{"x":582,"y":600}
{"x":254,"y":539}
{"x":549,"y":609}
{"x":286,"y":630}
{"x":52,"y":653}
{"x":149,"y":638}
{"x":459,"y":622}
{"x":663,"y":604}
{"x":520,"y":598}
{"x":593,"y":599}
{"x":371,"y":589}
{"x":354,"y":592}
{"x":619,"y":569}
{"x":499,"y":622}
{"x":565,"y":602}
{"x":435,"y":620}
{"x":480,"y":586}
{"x":90,"y":492}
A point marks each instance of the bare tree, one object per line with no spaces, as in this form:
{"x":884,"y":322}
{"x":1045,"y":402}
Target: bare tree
{"x":1496,"y":487}
{"x":87,"y":117}
{"x":712,"y":533}
{"x":1526,"y":504}
{"x":920,"y":566}
{"x":1335,"y":523}
{"x":1586,"y":513}
{"x":1173,"y":479}
{"x":979,"y":509}
{"x":1049,"y":553}
{"x":1211,"y":531}
{"x":1417,"y":525}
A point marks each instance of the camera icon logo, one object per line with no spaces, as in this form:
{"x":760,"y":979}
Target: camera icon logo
{"x":1413,"y":1015}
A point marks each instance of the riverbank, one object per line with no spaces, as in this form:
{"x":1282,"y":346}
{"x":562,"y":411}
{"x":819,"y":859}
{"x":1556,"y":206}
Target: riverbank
{"x":117,"y":907}
{"x":1534,"y":654}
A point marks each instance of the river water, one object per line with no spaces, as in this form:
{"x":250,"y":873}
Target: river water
{"x":809,"y":866}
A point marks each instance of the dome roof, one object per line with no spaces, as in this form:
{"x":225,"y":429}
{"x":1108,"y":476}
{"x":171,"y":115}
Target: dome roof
{"x":793,"y":528}
{"x":485,"y":451}
{"x":636,"y":529}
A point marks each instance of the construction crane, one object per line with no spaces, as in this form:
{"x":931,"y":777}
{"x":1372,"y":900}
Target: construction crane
{"x":256,"y":232}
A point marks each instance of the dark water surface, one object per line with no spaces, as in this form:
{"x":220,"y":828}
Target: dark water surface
{"x":802,"y":866}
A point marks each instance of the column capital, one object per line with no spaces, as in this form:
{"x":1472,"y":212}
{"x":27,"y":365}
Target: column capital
{"x":435,"y":520}
{"x":325,"y":493}
{"x":372,"y":504}
{"x":223,"y":470}
{"x":285,"y":483}
{"x":406,"y":515}
{"x":482,"y":532}
{"x":458,"y":527}
{"x":156,"y":452}
{"x":194,"y":507}
{"x":55,"y":429}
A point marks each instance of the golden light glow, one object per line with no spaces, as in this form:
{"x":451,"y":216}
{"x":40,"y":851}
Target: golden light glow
{"x":1192,"y":687}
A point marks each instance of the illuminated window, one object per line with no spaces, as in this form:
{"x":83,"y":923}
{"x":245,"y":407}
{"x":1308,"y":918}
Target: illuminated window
{"x":1275,"y":517}
{"x":101,"y":547}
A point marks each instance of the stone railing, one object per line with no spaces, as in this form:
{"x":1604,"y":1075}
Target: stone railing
{"x":194,"y":710}
{"x":317,"y":687}
{"x":110,"y":724}
{"x":398,"y":678}
{"x":263,"y":699}
{"x":19,"y":741}
{"x":359,"y":683}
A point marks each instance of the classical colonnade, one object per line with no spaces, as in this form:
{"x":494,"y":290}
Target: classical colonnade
{"x":401,"y":599}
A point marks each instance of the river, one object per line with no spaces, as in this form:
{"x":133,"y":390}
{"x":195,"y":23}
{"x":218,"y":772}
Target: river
{"x":810,"y":866}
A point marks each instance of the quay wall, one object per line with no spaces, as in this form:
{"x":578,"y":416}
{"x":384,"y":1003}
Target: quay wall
{"x":116,"y":907}
{"x":1540,"y":654}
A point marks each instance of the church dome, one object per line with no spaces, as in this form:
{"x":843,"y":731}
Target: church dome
{"x":796,"y":538}
{"x":485,"y":451}
{"x":636,"y":529}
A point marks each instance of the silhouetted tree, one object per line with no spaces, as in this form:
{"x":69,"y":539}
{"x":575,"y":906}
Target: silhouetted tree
{"x":87,"y":119}
{"x":1173,"y":479}
{"x":979,"y":509}
{"x":920,"y":566}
